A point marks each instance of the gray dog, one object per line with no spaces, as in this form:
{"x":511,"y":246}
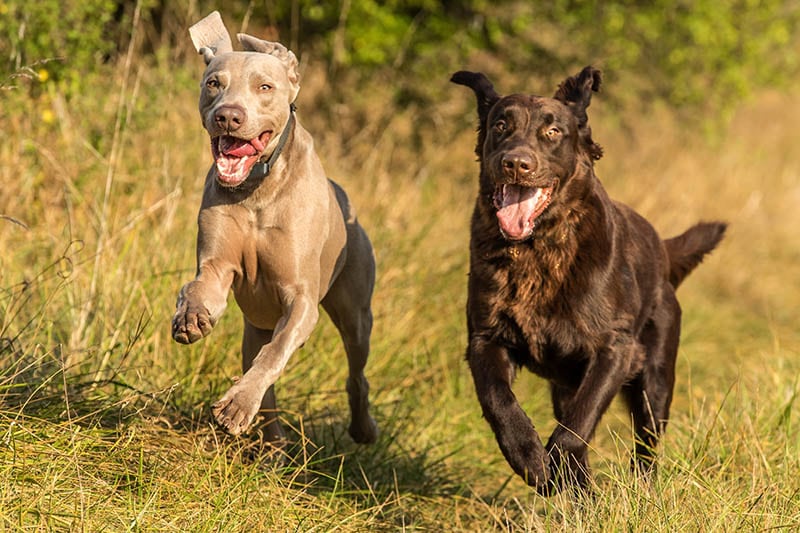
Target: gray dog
{"x":273,"y":228}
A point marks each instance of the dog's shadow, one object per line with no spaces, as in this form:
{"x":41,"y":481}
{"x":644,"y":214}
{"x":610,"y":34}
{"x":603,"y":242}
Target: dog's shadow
{"x":321,"y":458}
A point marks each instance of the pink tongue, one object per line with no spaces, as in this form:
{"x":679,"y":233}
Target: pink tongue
{"x":236,"y":147}
{"x":517,"y":208}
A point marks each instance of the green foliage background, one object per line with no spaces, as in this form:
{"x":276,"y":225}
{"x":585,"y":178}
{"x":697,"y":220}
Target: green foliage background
{"x":693,"y":54}
{"x":65,"y":38}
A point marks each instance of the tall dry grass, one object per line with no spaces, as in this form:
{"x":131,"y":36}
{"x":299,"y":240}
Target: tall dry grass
{"x":104,"y":421}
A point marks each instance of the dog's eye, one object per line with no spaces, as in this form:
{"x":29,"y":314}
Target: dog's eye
{"x":553,"y":133}
{"x":212,"y":83}
{"x":264,"y":87}
{"x":500,"y":126}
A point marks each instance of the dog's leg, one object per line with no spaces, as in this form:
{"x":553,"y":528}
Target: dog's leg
{"x":348,"y":305}
{"x":578,"y":464}
{"x":493,"y":373}
{"x":355,"y":328}
{"x":252,"y":342}
{"x":237,"y":408}
{"x":649,"y":395}
{"x":201,"y":303}
{"x":581,"y":410}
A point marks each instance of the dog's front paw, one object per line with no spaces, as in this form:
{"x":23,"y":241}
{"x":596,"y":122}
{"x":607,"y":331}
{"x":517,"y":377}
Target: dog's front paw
{"x":236,"y":410}
{"x":530,"y":461}
{"x":364,"y":431}
{"x":190,"y":323}
{"x":568,"y":468}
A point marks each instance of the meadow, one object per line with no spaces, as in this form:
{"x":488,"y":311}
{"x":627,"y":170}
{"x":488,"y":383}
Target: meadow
{"x":105,"y":422}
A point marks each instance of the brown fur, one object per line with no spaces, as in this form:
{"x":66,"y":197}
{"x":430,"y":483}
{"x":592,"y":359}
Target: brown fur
{"x":583,"y":296}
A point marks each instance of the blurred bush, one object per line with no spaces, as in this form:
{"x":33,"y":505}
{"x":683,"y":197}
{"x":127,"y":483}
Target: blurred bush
{"x":55,"y":40}
{"x":685,"y":53}
{"x":689,"y":52}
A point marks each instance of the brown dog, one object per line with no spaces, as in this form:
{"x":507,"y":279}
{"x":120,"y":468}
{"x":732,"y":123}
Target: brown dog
{"x":566,"y":282}
{"x":273,"y":228}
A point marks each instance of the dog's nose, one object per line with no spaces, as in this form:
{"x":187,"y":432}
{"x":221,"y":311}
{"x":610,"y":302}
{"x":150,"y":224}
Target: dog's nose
{"x":230,"y":117}
{"x":517,"y":164}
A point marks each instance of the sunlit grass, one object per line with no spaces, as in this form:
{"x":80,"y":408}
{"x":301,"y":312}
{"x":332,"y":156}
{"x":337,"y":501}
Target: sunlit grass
{"x":104,"y":421}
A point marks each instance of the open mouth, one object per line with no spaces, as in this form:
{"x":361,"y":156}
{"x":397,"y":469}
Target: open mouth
{"x":235,"y":157}
{"x":518,"y":207}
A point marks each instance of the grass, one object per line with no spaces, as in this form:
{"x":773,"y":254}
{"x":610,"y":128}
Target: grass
{"x":105,"y":423}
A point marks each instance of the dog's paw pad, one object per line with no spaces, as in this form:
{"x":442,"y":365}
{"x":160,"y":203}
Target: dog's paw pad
{"x":236,"y":410}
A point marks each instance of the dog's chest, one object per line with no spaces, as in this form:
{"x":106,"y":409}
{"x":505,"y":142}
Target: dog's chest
{"x":283,"y":252}
{"x":534,"y":310}
{"x":525,"y":280}
{"x":553,"y":348}
{"x":257,"y":288}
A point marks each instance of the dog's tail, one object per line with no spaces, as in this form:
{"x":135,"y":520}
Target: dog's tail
{"x":687,"y":250}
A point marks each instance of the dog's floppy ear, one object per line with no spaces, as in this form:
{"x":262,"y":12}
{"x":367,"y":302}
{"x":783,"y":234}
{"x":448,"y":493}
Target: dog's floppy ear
{"x":483,"y":88}
{"x":576,"y":93}
{"x":254,"y":44}
{"x":486,"y":96}
{"x":210,"y":37}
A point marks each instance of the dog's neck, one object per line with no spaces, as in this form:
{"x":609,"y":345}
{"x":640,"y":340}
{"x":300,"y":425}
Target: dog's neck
{"x":262,"y":168}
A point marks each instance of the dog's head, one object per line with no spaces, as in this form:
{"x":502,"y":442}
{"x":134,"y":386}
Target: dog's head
{"x":245,"y":97}
{"x":529,"y":146}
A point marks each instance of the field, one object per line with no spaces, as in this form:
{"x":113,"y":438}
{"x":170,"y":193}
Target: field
{"x":105,"y":422}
